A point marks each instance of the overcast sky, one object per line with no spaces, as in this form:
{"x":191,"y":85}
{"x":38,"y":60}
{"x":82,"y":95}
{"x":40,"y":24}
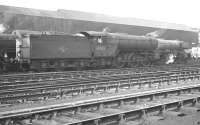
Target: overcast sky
{"x":175,"y":11}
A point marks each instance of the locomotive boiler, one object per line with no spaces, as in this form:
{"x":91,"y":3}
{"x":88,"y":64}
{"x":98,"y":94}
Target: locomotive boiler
{"x":91,"y":49}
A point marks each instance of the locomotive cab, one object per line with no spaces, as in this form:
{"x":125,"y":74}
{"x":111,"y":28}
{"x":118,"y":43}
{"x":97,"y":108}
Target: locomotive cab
{"x":104,"y":46}
{"x":7,"y":52}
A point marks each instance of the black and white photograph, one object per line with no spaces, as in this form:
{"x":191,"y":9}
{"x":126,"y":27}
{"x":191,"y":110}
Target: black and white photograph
{"x":99,"y":62}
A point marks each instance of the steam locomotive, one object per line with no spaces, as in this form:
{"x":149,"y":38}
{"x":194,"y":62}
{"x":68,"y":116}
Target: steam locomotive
{"x":89,"y":49}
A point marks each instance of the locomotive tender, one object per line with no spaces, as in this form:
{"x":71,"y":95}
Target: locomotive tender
{"x":91,"y":49}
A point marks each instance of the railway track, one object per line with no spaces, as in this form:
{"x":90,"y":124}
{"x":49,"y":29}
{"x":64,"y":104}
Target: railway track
{"x":36,"y":91}
{"x":88,"y":73}
{"x":117,"y":109}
